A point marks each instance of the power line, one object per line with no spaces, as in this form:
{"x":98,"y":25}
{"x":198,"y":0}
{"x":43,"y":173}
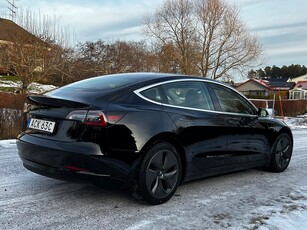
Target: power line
{"x":12,"y":8}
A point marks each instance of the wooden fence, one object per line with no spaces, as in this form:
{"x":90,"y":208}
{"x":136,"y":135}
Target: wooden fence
{"x":288,"y":107}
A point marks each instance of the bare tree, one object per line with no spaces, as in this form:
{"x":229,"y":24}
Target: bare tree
{"x":173,"y":25}
{"x":167,"y":58}
{"x":225,"y":43}
{"x":92,"y":58}
{"x":101,"y":57}
{"x":208,"y":36}
{"x":130,"y":57}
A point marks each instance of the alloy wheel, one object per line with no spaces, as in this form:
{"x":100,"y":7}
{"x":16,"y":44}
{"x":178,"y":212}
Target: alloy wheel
{"x":283,"y":152}
{"x":162,"y":173}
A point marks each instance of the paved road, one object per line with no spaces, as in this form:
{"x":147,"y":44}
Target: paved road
{"x":242,"y":200}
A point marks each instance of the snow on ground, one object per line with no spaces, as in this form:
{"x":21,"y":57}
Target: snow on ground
{"x":10,"y":84}
{"x":287,"y":221}
{"x":299,"y":122}
{"x":7,"y":143}
{"x":34,"y":87}
{"x":37,"y":88}
{"x":289,"y":214}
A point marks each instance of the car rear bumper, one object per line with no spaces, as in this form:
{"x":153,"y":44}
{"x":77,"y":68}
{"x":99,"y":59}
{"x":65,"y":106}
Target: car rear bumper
{"x":72,"y":161}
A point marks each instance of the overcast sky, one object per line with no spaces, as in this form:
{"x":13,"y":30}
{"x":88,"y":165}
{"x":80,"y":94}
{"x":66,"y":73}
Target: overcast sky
{"x":281,"y":25}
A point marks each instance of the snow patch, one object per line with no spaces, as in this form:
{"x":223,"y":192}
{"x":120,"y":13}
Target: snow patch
{"x":37,"y":88}
{"x":7,"y":143}
{"x":141,"y":225}
{"x":10,"y":84}
{"x":299,"y":122}
{"x":295,"y":220}
{"x":296,"y":123}
{"x":288,"y":212}
{"x":34,"y":87}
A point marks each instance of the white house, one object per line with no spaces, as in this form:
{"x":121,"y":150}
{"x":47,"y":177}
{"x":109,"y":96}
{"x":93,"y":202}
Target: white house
{"x":299,"y":91}
{"x":297,"y":79}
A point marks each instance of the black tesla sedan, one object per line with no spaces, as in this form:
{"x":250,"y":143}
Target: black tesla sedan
{"x":149,"y":132}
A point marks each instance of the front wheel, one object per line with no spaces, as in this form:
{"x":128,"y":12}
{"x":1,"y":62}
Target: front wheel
{"x":281,"y":153}
{"x":159,"y":174}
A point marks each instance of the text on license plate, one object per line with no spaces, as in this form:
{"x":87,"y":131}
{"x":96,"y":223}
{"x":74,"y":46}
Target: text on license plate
{"x":43,"y":125}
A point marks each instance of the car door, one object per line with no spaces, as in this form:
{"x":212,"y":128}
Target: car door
{"x":200,"y":128}
{"x":247,"y":141}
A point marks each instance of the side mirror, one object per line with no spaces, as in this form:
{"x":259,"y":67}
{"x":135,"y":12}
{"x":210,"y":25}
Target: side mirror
{"x":263,"y":112}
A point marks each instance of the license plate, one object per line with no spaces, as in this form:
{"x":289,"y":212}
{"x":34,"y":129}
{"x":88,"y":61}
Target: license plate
{"x":42,"y":125}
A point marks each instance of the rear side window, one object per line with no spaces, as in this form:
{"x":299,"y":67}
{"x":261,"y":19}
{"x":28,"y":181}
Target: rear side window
{"x":153,"y":94}
{"x":188,"y":94}
{"x":231,"y":101}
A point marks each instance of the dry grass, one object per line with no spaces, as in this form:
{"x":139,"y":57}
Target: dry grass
{"x":11,"y":106}
{"x":10,"y":121}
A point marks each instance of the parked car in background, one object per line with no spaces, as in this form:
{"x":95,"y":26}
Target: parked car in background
{"x":149,"y":132}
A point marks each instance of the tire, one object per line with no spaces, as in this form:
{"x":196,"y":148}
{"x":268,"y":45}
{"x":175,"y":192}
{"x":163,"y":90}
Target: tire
{"x":281,"y":153}
{"x":159,"y":174}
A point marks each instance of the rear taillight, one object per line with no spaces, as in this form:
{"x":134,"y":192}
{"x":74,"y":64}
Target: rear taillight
{"x":94,"y":118}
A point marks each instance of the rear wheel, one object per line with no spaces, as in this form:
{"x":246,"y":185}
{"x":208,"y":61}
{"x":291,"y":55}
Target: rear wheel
{"x":159,"y":175}
{"x":281,"y":153}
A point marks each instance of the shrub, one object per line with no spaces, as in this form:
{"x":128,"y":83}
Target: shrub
{"x":12,"y":101}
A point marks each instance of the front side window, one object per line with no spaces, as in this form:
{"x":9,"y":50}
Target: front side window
{"x":231,"y":101}
{"x":188,"y":94}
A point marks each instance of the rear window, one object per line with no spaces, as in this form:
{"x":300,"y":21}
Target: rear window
{"x":101,"y":83}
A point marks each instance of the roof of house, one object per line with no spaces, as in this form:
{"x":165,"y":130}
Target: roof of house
{"x":262,"y":83}
{"x":11,"y":32}
{"x":299,"y":78}
{"x":302,"y":85}
{"x":281,"y":83}
{"x":272,"y":84}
